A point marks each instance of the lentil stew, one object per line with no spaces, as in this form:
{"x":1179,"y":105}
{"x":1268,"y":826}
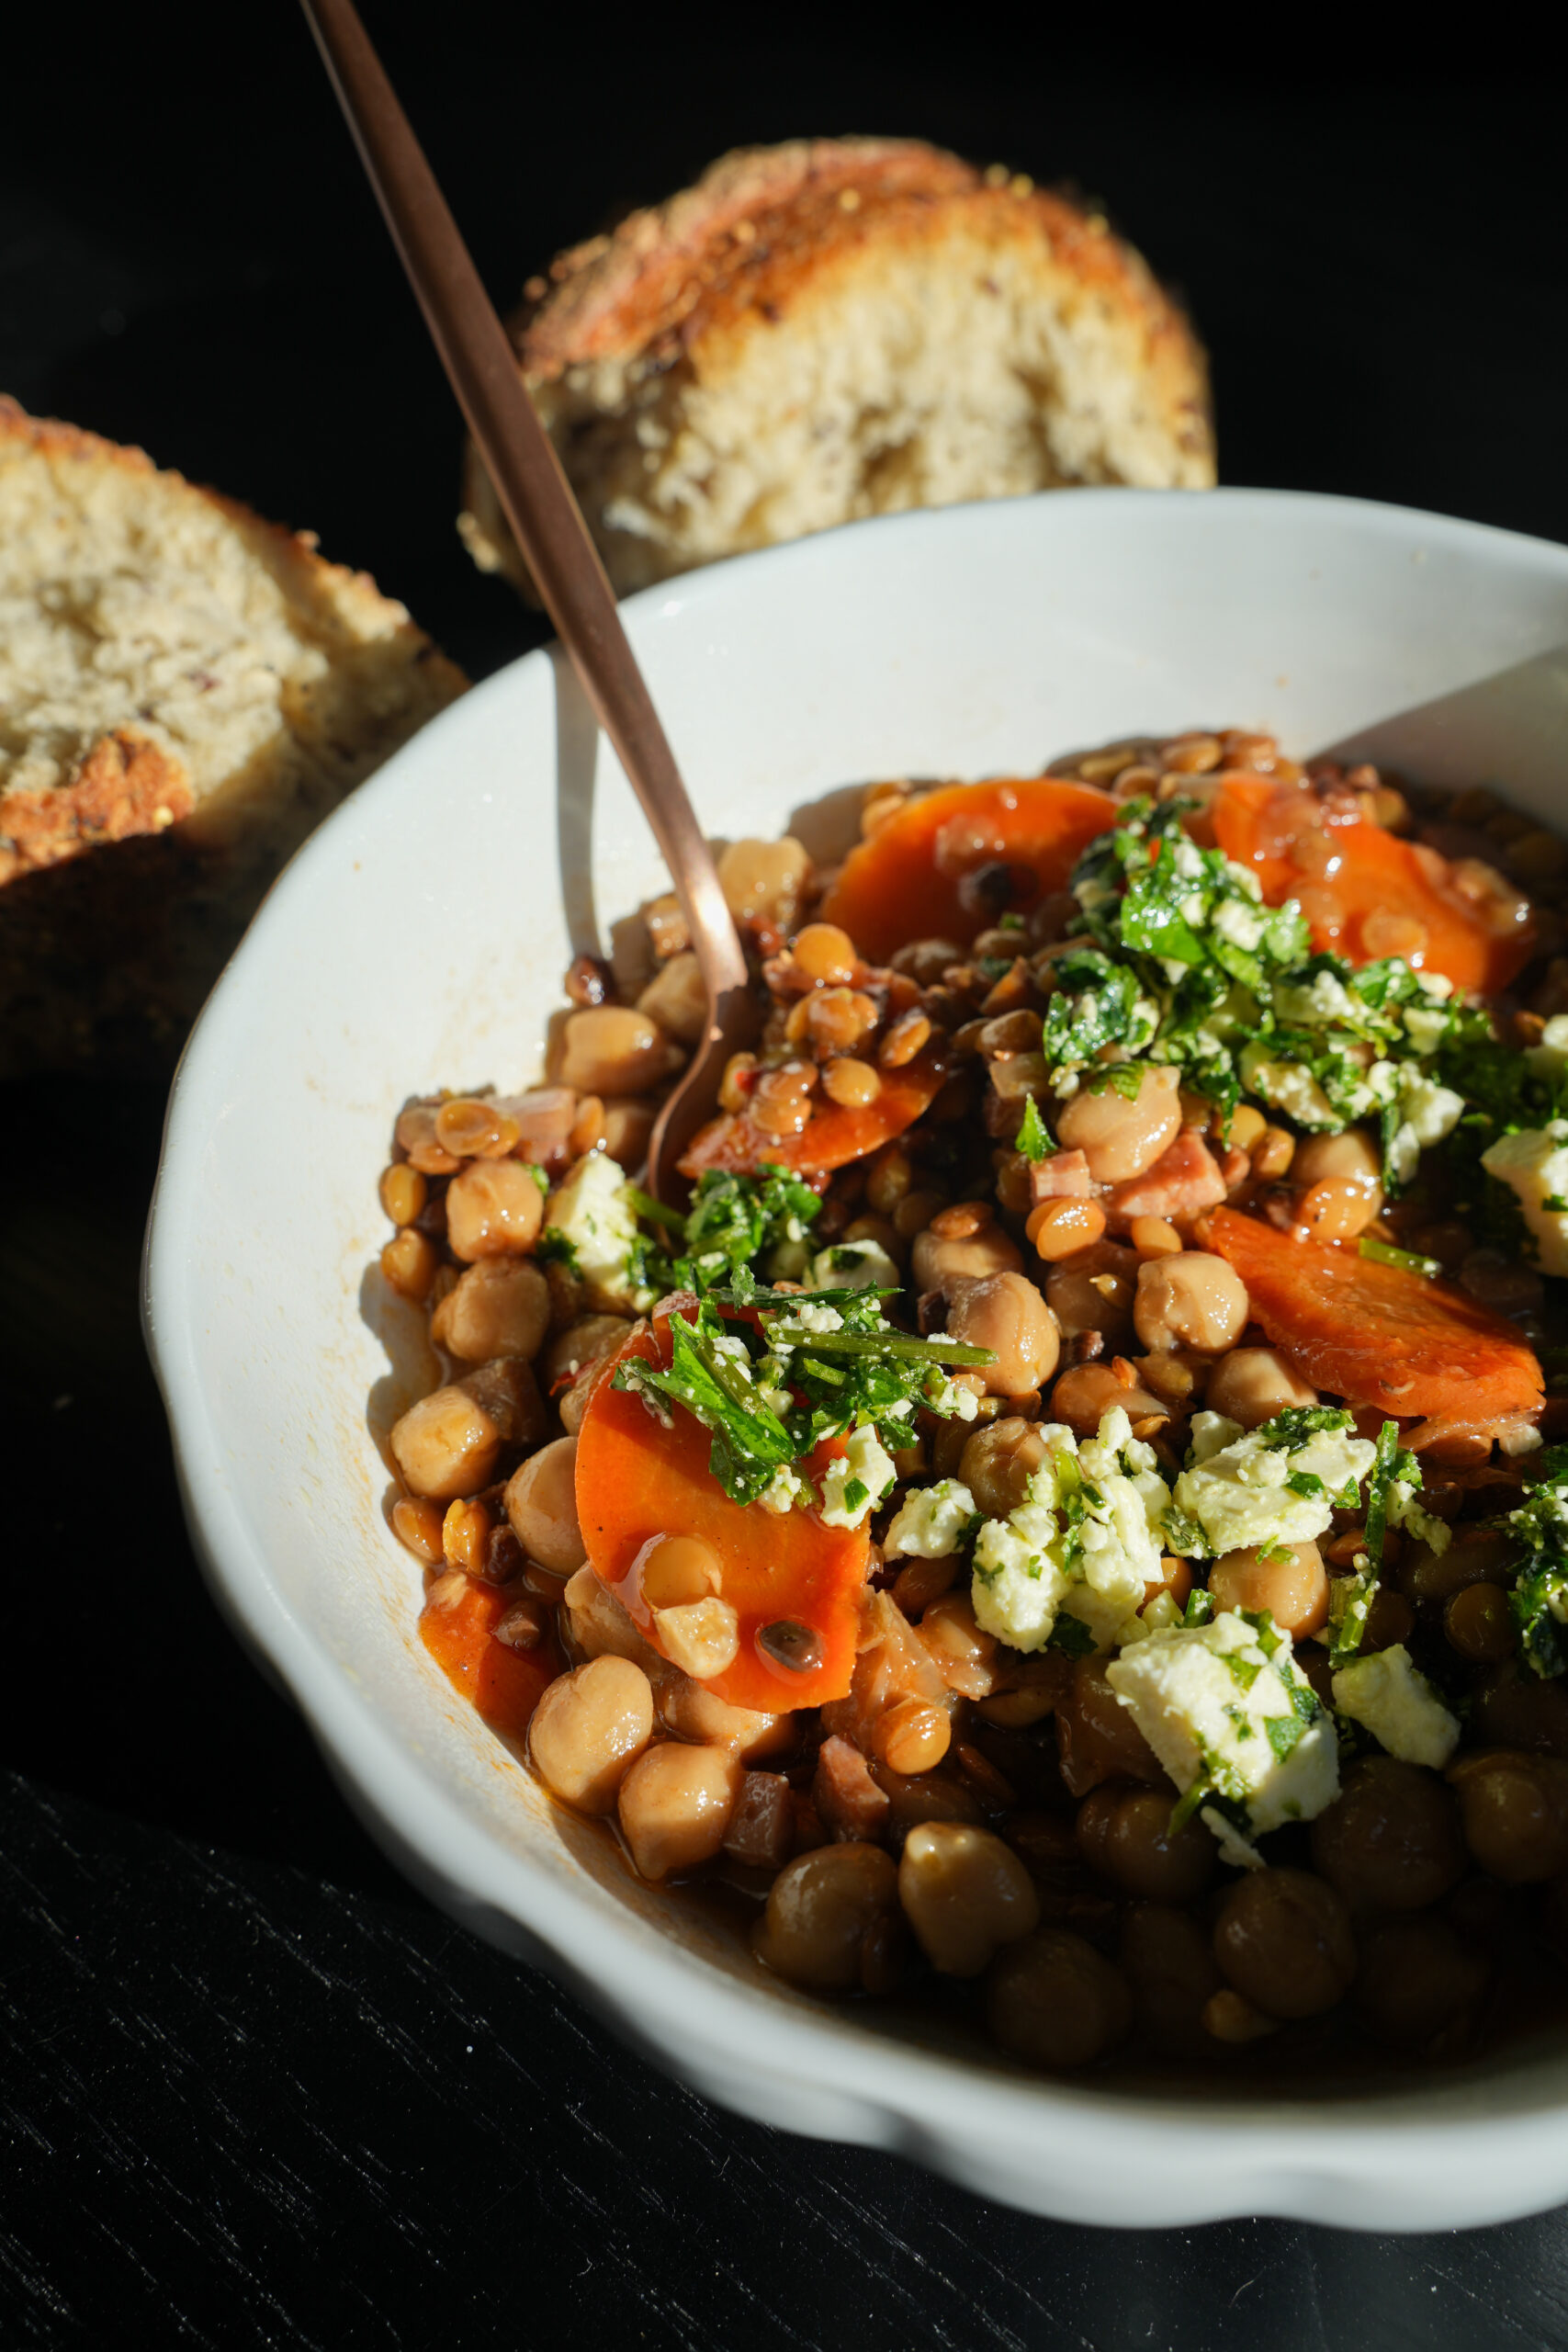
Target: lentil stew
{"x":1073,"y":1514}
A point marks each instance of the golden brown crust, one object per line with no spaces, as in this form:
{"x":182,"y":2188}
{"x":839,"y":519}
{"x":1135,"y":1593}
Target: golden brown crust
{"x":665,"y":271}
{"x":106,"y":958}
{"x":762,"y":224}
{"x":126,"y":785}
{"x":126,"y":782}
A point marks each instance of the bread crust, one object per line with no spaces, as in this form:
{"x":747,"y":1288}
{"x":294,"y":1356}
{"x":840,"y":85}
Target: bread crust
{"x":763,"y":222}
{"x":126,"y":782}
{"x":128,"y":872}
{"x":688,"y":293}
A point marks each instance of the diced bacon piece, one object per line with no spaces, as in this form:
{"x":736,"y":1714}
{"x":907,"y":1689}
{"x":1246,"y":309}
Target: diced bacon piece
{"x":1185,"y":1179}
{"x":1063,"y":1176}
{"x":844,"y":1792}
{"x":762,"y":1828}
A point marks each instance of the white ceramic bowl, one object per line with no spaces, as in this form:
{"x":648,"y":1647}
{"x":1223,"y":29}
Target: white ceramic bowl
{"x":418,"y":939}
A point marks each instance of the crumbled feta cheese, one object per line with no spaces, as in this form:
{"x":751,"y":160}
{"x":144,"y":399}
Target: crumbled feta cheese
{"x":1286,"y":1086}
{"x":1241,"y":1495}
{"x":945,"y":1397}
{"x":1534,"y":1164}
{"x":854,"y":1265}
{"x":801,"y":1322}
{"x":1426,"y":1025}
{"x":1404,"y":1511}
{"x":864,"y":1466}
{"x":591,"y":1209}
{"x":931,"y":1522}
{"x":784,"y":1490}
{"x":1386,"y":1694}
{"x":1427,"y":1112}
{"x":1243,"y":926}
{"x":1211,"y":1434}
{"x":1227,"y":1711}
{"x":1550,"y":1058}
{"x":1085,"y":1541}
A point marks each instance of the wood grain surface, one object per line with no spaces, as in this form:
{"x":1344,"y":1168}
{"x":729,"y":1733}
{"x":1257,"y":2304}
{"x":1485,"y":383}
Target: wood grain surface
{"x":254,"y":2092}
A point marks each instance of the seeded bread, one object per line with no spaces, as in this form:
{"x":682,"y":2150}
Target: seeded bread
{"x":185,"y":691}
{"x":837,"y":328}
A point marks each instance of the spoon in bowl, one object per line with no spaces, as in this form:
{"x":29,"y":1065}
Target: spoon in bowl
{"x":548,"y":526}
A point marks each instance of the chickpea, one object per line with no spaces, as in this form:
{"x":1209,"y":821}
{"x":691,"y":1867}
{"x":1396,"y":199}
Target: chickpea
{"x":1391,"y":1840}
{"x":1251,"y":1385}
{"x":1097,"y":1738}
{"x":675,"y":1805}
{"x":1337,"y":1210}
{"x":935,"y":1262}
{"x":1007,"y":1314}
{"x":611,"y":1049}
{"x":695,"y":1713}
{"x":601,"y":1627}
{"x":541,"y":1503}
{"x":1085,"y":1391}
{"x":501,"y":1306}
{"x":588,"y":1340}
{"x":1415,"y":1980}
{"x":1514,"y":1811}
{"x":403,"y":1192}
{"x":1121,"y":1135}
{"x":1166,"y":1959}
{"x":1351,"y":1158}
{"x":445,"y":1445}
{"x":1125,"y":1834}
{"x":589,"y":1729}
{"x":764,"y":881}
{"x":494,"y":1207}
{"x":1093,"y":1291}
{"x":676,"y":999}
{"x":963,"y":1894}
{"x":821,"y":1909}
{"x":1282,"y":1939}
{"x":1191,"y":1301}
{"x":673,"y":1569}
{"x":1294,"y":1590}
{"x":701,"y":1637}
{"x":1054,"y":2001}
{"x":997,"y":1463}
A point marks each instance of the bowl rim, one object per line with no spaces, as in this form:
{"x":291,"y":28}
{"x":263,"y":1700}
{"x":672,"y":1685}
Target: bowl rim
{"x":1313,"y":2158}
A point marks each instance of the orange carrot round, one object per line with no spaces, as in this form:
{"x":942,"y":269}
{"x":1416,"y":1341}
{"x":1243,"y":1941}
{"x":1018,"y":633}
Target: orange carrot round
{"x":1377,"y":1335}
{"x":505,"y":1685}
{"x":835,"y":1134}
{"x":1365,"y":891}
{"x":906,"y":881}
{"x":637,"y":1479}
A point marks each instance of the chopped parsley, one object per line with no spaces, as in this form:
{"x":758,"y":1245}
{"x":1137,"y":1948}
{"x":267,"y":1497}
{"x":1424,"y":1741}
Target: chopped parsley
{"x":1539,"y":1598}
{"x":1352,"y":1597}
{"x":771,"y":1373}
{"x":1179,"y":961}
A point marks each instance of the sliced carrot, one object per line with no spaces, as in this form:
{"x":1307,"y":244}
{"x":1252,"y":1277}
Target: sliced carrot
{"x":503,"y":1684}
{"x":906,"y":882}
{"x":637,"y":1479}
{"x":1365,"y":891}
{"x":833,"y":1137}
{"x":1374,"y":1334}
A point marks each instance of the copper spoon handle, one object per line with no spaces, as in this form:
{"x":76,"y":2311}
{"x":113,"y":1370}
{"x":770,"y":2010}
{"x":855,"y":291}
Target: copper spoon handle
{"x":548,"y":526}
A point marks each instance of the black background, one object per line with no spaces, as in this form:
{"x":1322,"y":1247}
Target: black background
{"x":254,"y":2091}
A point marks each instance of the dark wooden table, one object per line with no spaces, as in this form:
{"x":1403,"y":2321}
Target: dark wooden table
{"x":254,"y":2091}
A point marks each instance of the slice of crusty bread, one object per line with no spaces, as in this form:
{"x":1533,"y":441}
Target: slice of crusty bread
{"x":837,"y":328}
{"x":185,"y":691}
